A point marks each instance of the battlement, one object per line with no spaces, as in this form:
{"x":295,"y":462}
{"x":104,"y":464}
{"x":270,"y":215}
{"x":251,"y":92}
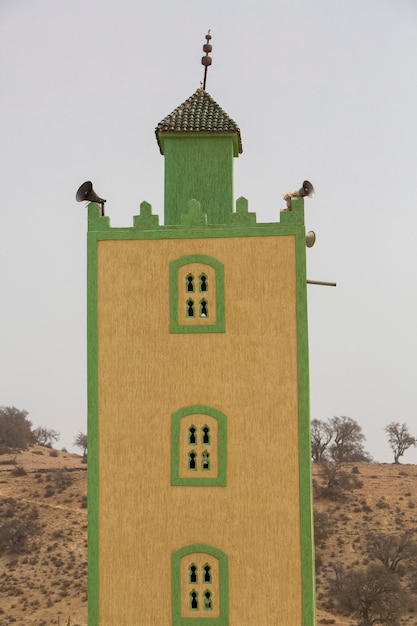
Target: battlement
{"x":194,"y":218}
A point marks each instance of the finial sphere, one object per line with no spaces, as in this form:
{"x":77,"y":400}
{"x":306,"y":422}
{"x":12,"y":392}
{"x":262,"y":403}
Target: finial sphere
{"x":206,"y":61}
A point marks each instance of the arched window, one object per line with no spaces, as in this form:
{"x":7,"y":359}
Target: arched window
{"x":190,"y":308}
{"x":206,"y":434}
{"x":203,"y":282}
{"x":203,"y":308}
{"x":205,"y":274}
{"x":193,"y":595}
{"x":199,"y":446}
{"x":189,"y":283}
{"x":205,"y":461}
{"x":207,"y":573}
{"x":192,"y":573}
{"x":191,"y":435}
{"x":191,"y":461}
{"x":194,"y":601}
{"x":207,"y":600}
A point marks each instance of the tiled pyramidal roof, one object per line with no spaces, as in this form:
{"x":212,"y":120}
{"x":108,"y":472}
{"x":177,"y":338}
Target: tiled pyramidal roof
{"x":199,"y":114}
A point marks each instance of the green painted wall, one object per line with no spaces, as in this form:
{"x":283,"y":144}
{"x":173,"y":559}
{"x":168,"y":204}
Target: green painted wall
{"x":200,"y":166}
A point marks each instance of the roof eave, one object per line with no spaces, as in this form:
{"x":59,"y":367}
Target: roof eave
{"x":162,"y":135}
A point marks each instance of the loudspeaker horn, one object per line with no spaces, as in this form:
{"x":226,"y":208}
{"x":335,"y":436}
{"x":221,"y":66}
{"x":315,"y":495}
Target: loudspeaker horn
{"x":87,"y":193}
{"x":310,"y":238}
{"x":306,"y":190}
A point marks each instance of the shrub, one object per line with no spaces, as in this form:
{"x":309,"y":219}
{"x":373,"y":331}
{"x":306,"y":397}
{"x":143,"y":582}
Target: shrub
{"x":20,"y":527}
{"x":19,"y":471}
{"x":15,"y":429}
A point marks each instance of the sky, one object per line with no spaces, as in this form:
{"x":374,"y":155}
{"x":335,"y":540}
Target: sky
{"x":324,"y":91}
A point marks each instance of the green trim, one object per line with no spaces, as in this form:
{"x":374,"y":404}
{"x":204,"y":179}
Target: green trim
{"x":290,"y":221}
{"x":206,"y":481}
{"x":92,"y":431}
{"x":207,"y":326}
{"x":306,"y":502}
{"x":223,"y":619}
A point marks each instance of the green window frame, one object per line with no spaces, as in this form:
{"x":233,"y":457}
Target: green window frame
{"x":217,"y":447}
{"x":178,"y":592}
{"x":206,"y":323}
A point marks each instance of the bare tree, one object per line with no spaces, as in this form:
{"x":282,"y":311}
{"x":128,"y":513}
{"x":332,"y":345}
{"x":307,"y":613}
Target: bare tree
{"x":399,"y":439}
{"x":373,"y":596}
{"x":348,"y":440}
{"x":45,"y":436}
{"x":391,"y":550}
{"x":81,"y":442}
{"x":321,"y":436}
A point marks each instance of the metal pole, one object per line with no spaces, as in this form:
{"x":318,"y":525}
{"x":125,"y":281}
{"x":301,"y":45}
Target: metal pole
{"x":320,"y":282}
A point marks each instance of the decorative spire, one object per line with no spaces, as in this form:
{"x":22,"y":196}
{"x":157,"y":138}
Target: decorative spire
{"x":206,"y":60}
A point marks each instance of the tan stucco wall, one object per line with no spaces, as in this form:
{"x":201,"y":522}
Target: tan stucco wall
{"x":250,"y":373}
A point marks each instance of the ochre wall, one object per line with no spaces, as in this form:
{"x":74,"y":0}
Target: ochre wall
{"x":250,"y":374}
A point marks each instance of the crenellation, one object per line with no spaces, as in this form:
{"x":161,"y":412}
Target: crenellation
{"x":146,"y":220}
{"x":195,"y":217}
{"x":96,"y":219}
{"x":242,"y":217}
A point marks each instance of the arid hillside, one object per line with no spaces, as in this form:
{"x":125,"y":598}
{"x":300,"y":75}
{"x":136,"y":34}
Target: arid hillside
{"x":365,"y":524}
{"x":43,"y":536}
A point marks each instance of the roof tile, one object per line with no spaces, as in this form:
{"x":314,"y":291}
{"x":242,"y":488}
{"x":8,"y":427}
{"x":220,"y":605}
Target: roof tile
{"x":200,"y":113}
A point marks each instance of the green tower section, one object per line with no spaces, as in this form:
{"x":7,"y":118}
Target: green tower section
{"x":199,"y":141}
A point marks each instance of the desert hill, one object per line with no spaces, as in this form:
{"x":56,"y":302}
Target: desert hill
{"x":43,"y":538}
{"x":383,"y":504}
{"x":43,"y":535}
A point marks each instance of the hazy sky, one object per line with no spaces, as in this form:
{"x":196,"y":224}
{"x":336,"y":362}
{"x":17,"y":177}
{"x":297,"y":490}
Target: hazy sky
{"x":322,"y":90}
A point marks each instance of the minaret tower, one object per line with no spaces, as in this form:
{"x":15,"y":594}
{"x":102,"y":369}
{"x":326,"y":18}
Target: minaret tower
{"x":199,"y":455}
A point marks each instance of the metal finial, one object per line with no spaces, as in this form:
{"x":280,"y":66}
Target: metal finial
{"x":206,"y":60}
